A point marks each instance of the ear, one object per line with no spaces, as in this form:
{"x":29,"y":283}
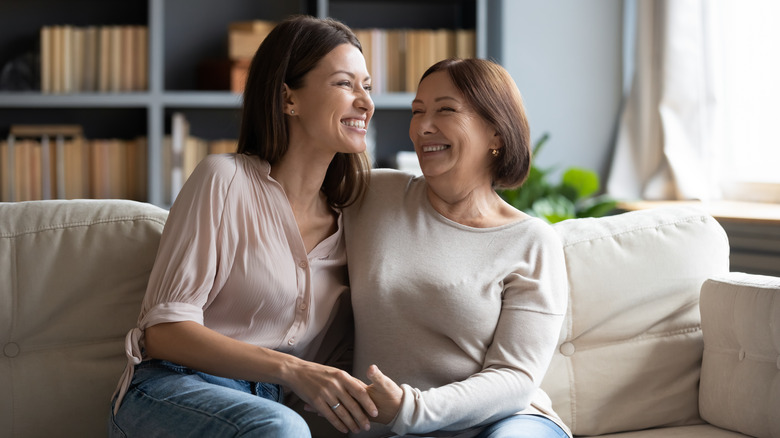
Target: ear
{"x":288,"y":97}
{"x":497,"y":140}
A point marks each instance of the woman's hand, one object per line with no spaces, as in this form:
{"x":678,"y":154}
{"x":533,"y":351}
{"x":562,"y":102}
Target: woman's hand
{"x":342,"y":399}
{"x":385,"y":393}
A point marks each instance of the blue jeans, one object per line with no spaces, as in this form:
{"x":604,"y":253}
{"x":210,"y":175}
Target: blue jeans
{"x":168,"y":400}
{"x":523,"y":426}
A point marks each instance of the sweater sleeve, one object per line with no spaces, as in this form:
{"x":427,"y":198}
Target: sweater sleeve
{"x":532,"y":311}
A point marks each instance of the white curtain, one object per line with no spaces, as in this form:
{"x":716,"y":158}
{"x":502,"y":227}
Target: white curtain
{"x":668,"y":137}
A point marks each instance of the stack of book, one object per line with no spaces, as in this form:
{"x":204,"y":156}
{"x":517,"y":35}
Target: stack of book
{"x":56,"y":162}
{"x":397,"y":58}
{"x":94,"y":59}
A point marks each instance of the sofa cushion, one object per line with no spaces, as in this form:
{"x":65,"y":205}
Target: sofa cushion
{"x":630,"y":349}
{"x":740,"y":374}
{"x":72,"y":279}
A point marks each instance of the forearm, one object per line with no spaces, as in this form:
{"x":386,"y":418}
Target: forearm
{"x":195,"y":346}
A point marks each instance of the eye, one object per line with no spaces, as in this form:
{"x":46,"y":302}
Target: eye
{"x":446,"y":108}
{"x":344,"y":83}
{"x":368,"y":87}
{"x":416,"y":111}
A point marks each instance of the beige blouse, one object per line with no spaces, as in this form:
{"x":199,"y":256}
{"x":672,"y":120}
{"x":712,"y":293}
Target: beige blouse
{"x":231,"y":258}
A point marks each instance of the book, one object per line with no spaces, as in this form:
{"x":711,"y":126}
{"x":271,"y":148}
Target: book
{"x":104,"y":60}
{"x":127,"y":53}
{"x":244,"y":37}
{"x":140,"y":58}
{"x":46,"y":59}
{"x":180,"y":130}
{"x":115,"y":59}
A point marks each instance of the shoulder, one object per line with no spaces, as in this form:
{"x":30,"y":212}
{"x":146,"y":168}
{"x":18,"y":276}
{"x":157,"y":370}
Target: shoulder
{"x":382,"y":178}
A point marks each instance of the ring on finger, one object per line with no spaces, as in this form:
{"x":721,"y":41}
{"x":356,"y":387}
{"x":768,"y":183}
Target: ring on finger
{"x":334,"y":407}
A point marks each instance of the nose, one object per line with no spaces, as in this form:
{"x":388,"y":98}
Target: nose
{"x":425,"y":124}
{"x":364,"y":101}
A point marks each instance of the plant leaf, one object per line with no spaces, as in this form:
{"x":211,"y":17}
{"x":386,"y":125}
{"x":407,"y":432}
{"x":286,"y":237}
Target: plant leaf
{"x":554,"y":208}
{"x":584,"y":181}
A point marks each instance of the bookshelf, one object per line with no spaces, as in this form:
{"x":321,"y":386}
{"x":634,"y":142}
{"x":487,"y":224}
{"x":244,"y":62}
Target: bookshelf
{"x":181,"y":35}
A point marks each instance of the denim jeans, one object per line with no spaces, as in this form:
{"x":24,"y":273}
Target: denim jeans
{"x":168,"y":400}
{"x":523,"y":426}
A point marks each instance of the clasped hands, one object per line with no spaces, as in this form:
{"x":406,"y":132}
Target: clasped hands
{"x":351,"y":409}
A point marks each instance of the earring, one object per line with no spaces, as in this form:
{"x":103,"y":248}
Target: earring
{"x":292,"y":112}
{"x":494,"y":152}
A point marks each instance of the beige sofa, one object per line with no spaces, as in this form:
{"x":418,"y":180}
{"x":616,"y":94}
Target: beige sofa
{"x":635,"y":358}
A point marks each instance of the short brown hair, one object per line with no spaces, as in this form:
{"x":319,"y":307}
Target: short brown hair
{"x":290,"y":51}
{"x":493,"y":94}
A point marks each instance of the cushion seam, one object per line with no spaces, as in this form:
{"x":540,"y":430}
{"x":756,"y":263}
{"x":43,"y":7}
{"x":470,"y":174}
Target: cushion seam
{"x":701,"y":219}
{"x":84,"y":223}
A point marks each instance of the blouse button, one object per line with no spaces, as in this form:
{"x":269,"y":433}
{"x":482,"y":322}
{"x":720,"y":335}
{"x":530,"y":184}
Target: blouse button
{"x":302,"y":264}
{"x":291,"y":341}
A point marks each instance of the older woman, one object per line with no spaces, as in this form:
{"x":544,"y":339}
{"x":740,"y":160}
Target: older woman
{"x":457,"y":295}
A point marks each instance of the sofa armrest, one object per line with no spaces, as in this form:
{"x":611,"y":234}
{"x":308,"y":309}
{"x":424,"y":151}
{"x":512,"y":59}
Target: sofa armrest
{"x":740,"y":375}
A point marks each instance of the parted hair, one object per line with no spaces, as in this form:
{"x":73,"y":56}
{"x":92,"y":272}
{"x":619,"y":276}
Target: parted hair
{"x":291,"y":50}
{"x":493,"y":94}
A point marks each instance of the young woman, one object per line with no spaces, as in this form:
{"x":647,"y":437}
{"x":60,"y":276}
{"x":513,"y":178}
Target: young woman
{"x":456,"y":294}
{"x":251,"y":265}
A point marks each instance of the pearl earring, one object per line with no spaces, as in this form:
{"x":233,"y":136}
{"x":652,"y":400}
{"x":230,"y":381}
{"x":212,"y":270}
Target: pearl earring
{"x":292,"y":112}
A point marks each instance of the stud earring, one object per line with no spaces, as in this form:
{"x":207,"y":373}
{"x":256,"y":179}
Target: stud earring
{"x":292,"y":112}
{"x":494,"y":152}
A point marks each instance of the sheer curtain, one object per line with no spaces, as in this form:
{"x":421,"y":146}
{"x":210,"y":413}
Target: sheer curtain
{"x":703,"y":94}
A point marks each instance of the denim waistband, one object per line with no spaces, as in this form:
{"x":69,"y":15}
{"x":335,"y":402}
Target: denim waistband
{"x":268,"y":391}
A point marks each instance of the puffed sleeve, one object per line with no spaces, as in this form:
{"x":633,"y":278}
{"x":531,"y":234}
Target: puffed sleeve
{"x":190,"y":258}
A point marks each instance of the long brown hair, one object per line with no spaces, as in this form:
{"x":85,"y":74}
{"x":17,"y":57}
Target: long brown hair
{"x":290,"y":51}
{"x":493,"y":94}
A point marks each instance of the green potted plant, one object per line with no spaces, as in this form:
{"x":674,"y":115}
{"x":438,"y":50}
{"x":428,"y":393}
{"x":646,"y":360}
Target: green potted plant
{"x":573,"y":197}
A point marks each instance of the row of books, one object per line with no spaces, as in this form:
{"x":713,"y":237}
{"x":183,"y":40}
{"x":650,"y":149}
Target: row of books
{"x":397,"y":58}
{"x":56,"y":162}
{"x":94,"y":59}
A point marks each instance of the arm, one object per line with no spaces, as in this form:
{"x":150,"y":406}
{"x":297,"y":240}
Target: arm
{"x":532,"y":305}
{"x":196,"y":346}
{"x":196,"y":256}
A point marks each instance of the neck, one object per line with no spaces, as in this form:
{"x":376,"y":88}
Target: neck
{"x":477,"y":206}
{"x":301,"y":178}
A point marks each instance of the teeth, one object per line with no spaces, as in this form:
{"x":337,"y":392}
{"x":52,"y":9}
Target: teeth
{"x":436,"y":148}
{"x":355,"y":123}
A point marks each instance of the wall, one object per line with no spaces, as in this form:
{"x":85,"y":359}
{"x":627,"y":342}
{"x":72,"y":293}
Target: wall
{"x":566,"y":57}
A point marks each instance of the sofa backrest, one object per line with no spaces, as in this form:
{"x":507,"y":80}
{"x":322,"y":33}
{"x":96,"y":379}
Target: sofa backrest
{"x":630,"y":350}
{"x":72,"y":278}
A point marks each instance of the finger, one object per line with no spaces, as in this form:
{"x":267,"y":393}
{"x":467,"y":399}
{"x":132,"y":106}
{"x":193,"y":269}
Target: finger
{"x":356,"y":412}
{"x":359,"y":393}
{"x":325,"y":410}
{"x":376,"y":377}
{"x":345,"y":412}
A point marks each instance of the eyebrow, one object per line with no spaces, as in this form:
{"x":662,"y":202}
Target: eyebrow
{"x":438,"y":99}
{"x":350,"y":74}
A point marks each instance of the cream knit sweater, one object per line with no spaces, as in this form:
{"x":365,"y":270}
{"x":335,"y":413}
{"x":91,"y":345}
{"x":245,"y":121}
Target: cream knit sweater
{"x":464,"y":319}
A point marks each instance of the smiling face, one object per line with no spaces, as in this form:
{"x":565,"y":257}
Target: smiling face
{"x":451,"y":140}
{"x":332,"y":109}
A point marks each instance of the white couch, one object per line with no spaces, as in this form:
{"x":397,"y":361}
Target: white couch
{"x":635,"y":359}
